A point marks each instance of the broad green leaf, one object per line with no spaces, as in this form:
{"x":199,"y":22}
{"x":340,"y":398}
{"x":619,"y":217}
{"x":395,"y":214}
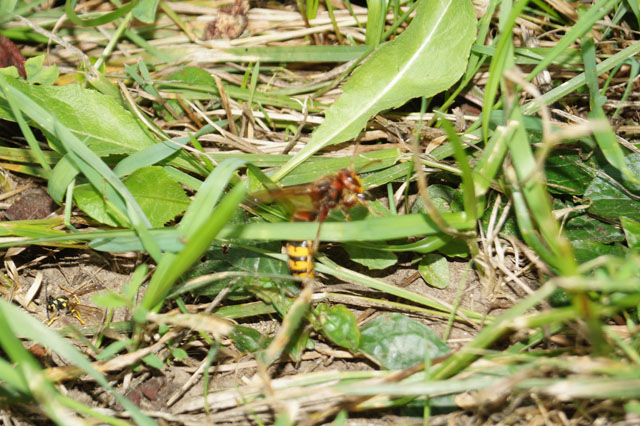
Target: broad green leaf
{"x":100,"y":121}
{"x":585,"y":227}
{"x":442,"y":197}
{"x":370,"y":257}
{"x":567,"y":173}
{"x":234,"y":258}
{"x":586,"y":250}
{"x":434,"y":268}
{"x":426,"y":59}
{"x":398,"y":342}
{"x":173,"y":266}
{"x":631,"y":231}
{"x":160,"y":197}
{"x":339,"y":325}
{"x":612,"y":195}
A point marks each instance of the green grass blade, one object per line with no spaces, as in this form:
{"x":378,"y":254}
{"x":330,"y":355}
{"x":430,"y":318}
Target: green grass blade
{"x":172,"y":266}
{"x":26,"y":326}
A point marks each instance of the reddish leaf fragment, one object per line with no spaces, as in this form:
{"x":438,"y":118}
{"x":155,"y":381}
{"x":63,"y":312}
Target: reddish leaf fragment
{"x":145,"y":395}
{"x":10,"y":55}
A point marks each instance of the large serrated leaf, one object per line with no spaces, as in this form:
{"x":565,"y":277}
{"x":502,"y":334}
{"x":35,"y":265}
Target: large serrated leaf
{"x":426,"y":59}
{"x":93,"y":117}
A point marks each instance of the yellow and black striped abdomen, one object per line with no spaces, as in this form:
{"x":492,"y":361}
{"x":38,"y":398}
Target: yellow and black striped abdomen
{"x":300,"y":258}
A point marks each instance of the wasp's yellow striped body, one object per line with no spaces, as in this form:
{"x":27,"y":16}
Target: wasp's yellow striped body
{"x":300,"y":258}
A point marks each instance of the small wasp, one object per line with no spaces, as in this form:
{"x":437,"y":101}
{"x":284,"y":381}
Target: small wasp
{"x":63,"y":304}
{"x":342,"y":189}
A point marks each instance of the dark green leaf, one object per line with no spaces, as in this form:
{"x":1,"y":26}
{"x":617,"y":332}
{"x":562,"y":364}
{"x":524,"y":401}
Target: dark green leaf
{"x":586,"y":250}
{"x":398,"y":342}
{"x":585,"y":227}
{"x":159,"y":196}
{"x":455,"y":248}
{"x":442,"y":196}
{"x":339,"y":325}
{"x":631,"y":231}
{"x":614,"y":196}
{"x":566,"y":173}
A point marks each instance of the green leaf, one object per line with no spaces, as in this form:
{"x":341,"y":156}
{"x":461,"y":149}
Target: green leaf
{"x":567,"y":173}
{"x":179,"y":354}
{"x":442,"y":197}
{"x":145,"y":11}
{"x":370,"y":257}
{"x":37,"y":74}
{"x":585,"y":227}
{"x":586,"y":250}
{"x":426,"y":59}
{"x":153,"y":361}
{"x":398,"y":342}
{"x":113,"y":349}
{"x":247,"y":339}
{"x":618,"y":198}
{"x":160,"y":198}
{"x":339,"y":325}
{"x":434,"y":268}
{"x":631,"y":231}
{"x":455,"y":248}
{"x":105,"y":126}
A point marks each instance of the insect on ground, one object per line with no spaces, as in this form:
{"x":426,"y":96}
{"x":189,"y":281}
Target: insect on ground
{"x":342,"y":190}
{"x":69,"y":304}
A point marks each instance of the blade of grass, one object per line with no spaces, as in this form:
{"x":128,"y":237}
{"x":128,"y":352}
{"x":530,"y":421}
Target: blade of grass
{"x":578,"y":81}
{"x":26,"y":326}
{"x":200,"y":228}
